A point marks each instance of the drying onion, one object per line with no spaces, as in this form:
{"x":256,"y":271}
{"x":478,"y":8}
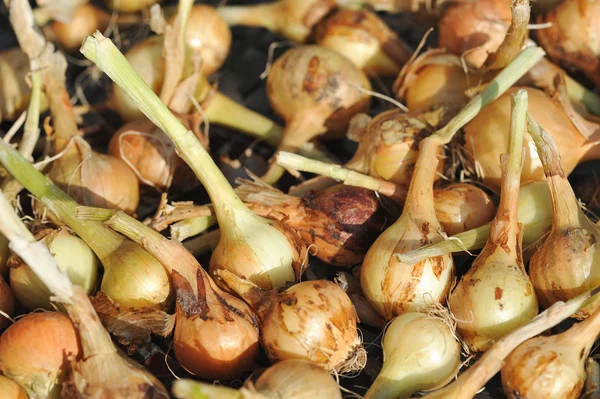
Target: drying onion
{"x":73,"y":257}
{"x":461,"y":206}
{"x":496,"y":296}
{"x":7,"y":303}
{"x":420,"y":353}
{"x":10,"y":389}
{"x":311,"y":320}
{"x":34,"y":352}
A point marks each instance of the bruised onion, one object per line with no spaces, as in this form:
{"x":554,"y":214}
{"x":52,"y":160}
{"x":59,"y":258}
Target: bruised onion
{"x":11,"y":389}
{"x":311,"y":320}
{"x":292,"y":19}
{"x":7,"y":303}
{"x":553,"y":366}
{"x":572,"y":38}
{"x":73,"y":257}
{"x":462,"y":206}
{"x":292,"y":379}
{"x":496,"y":296}
{"x":420,"y":353}
{"x":34,"y":352}
{"x":567,"y":263}
{"x":365,"y":39}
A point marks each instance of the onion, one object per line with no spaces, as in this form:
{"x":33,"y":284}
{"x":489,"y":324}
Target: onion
{"x":73,"y":257}
{"x":129,"y":5}
{"x":7,"y":303}
{"x":262,"y":250}
{"x":420,"y":353}
{"x":293,"y":379}
{"x":572,"y":38}
{"x":486,"y":135}
{"x":292,"y":19}
{"x":311,"y":320}
{"x":474,"y":29}
{"x":461,"y":206}
{"x":315,"y":90}
{"x":566,"y":264}
{"x":11,"y":389}
{"x":496,"y":296}
{"x":34,"y":352}
{"x":365,"y":39}
{"x":551,"y":367}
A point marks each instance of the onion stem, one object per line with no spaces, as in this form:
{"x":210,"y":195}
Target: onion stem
{"x":191,"y":227}
{"x":31,"y":131}
{"x":514,"y":39}
{"x":190,"y":389}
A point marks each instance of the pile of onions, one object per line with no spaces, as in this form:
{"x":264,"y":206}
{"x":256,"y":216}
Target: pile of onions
{"x":461,"y":206}
{"x":34,"y":352}
{"x":572,"y":38}
{"x":566,"y":264}
{"x":292,"y":19}
{"x":7,"y":303}
{"x":263,"y":250}
{"x":496,"y":296}
{"x":311,"y":320}
{"x":73,"y":257}
{"x":11,"y":389}
{"x":420,"y":354}
{"x":293,"y":379}
{"x":551,"y":367}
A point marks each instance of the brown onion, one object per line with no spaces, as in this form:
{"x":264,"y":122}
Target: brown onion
{"x":462,"y":206}
{"x":572,"y":38}
{"x":7,"y":303}
{"x":10,"y":389}
{"x":129,"y":5}
{"x":34,"y":352}
{"x":312,"y":320}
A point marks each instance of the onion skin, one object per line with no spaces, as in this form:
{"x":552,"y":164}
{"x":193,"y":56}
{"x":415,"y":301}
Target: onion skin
{"x":86,"y":20}
{"x":7,"y":303}
{"x":34,"y":351}
{"x":209,"y":36}
{"x":475,"y":28}
{"x":460,"y":207}
{"x":10,"y":389}
{"x":311,"y":320}
{"x":365,"y":39}
{"x":129,"y":5}
{"x":572,"y":40}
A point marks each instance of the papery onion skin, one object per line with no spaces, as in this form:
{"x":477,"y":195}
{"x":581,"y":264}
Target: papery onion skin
{"x":34,"y":351}
{"x":207,"y":35}
{"x":72,"y":256}
{"x":462,"y":206}
{"x":10,"y":389}
{"x":572,"y":38}
{"x":129,"y":5}
{"x":474,"y":29}
{"x":7,"y":303}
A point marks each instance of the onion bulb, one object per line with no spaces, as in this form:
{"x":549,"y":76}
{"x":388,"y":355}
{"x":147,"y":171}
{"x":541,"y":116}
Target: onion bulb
{"x":365,"y":39}
{"x":474,"y":30}
{"x":496,"y":296}
{"x":420,"y":353}
{"x":293,"y":379}
{"x":551,"y":367}
{"x":72,"y":256}
{"x":462,"y":206}
{"x":10,"y":389}
{"x":292,"y":19}
{"x":129,"y":5}
{"x":311,"y":320}
{"x":34,"y":352}
{"x":7,"y":303}
{"x":487,"y":134}
{"x":567,"y":263}
{"x":572,"y":38}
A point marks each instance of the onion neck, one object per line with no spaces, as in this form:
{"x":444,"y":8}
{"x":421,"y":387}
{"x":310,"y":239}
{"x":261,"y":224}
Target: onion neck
{"x":261,"y":15}
{"x":420,"y":199}
{"x":261,"y":301}
{"x":582,"y":336}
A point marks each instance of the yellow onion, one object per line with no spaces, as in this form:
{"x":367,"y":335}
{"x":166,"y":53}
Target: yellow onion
{"x":420,"y":353}
{"x":15,"y":92}
{"x":7,"y":303}
{"x":365,"y":39}
{"x":496,"y":296}
{"x":34,"y":352}
{"x":486,"y":135}
{"x":73,"y":257}
{"x":292,"y":379}
{"x":572,"y":38}
{"x":207,"y":35}
{"x":292,"y":19}
{"x":10,"y":389}
{"x":129,"y":5}
{"x":311,"y":320}
{"x":474,"y":29}
{"x":462,"y":206}
{"x":551,"y":367}
{"x":567,"y":263}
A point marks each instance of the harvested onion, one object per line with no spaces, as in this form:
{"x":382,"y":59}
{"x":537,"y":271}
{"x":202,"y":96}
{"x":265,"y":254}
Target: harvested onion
{"x":496,"y":296}
{"x":7,"y":303}
{"x":72,"y":256}
{"x":34,"y":351}
{"x":311,"y":320}
{"x":129,"y":5}
{"x":420,"y":353}
{"x":10,"y":389}
{"x":461,"y":206}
